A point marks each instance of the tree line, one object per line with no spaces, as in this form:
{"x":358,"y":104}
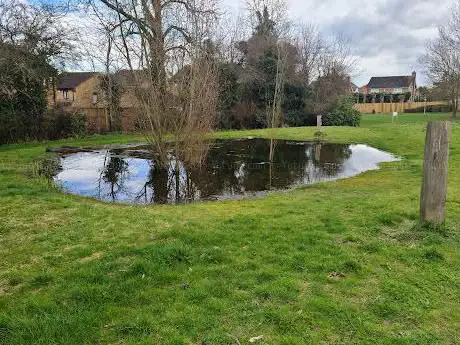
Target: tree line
{"x":194,"y":69}
{"x":33,"y":42}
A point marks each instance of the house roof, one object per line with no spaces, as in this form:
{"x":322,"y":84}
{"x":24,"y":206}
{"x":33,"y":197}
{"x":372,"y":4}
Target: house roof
{"x":70,"y":80}
{"x":391,"y":82}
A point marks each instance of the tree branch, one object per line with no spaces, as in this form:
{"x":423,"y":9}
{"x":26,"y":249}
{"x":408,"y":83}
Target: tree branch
{"x":186,"y":5}
{"x":178,"y":29}
{"x":142,"y":25}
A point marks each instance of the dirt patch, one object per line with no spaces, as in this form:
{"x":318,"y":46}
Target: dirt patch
{"x":336,"y":275}
{"x":304,"y":289}
{"x":92,"y":257}
{"x":7,"y":289}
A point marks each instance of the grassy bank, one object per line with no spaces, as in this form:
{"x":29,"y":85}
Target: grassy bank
{"x":334,"y":263}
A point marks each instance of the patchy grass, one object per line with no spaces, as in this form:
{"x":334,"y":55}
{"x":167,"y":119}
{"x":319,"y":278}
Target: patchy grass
{"x":336,"y":263}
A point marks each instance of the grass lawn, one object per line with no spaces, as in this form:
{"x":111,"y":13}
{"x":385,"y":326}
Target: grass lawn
{"x":335,"y":263}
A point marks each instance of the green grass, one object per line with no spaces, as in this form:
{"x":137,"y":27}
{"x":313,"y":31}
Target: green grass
{"x":335,"y":263}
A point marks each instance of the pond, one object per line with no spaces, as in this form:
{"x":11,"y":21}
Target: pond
{"x":233,"y":169}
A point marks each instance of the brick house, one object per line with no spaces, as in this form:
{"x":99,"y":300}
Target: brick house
{"x":81,"y":92}
{"x":393,"y":88}
{"x":76,"y":90}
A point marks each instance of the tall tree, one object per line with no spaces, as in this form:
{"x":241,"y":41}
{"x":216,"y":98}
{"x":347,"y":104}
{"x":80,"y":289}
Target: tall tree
{"x":159,"y":38}
{"x":32,"y":42}
{"x":442,"y":59}
{"x":311,"y":46}
{"x":331,"y":62}
{"x":270,"y":62}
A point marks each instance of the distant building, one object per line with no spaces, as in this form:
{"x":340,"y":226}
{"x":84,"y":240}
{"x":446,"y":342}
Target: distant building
{"x":394,"y":88}
{"x":76,"y":89}
{"x":354,"y":88}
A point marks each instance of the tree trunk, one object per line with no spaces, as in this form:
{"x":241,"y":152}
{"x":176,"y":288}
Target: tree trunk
{"x":159,"y":48}
{"x":454,"y":108}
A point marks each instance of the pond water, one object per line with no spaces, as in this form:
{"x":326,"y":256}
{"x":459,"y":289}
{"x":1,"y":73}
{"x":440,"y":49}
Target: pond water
{"x":234,"y":169}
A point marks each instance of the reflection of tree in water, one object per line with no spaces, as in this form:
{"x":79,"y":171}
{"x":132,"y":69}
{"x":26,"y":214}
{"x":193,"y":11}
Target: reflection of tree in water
{"x":329,"y":158}
{"x":156,"y":189}
{"x":114,"y":173}
{"x":169,"y":184}
{"x":291,"y":163}
{"x":231,"y":168}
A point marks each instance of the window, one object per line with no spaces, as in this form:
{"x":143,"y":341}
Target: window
{"x":65,"y":94}
{"x":94,"y":98}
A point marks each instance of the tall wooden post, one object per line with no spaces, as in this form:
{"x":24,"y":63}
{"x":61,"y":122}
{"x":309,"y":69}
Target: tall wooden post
{"x":319,"y":122}
{"x":435,"y":170}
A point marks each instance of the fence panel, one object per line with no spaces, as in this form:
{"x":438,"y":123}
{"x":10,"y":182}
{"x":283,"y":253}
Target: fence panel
{"x":97,"y":120}
{"x":377,"y":108}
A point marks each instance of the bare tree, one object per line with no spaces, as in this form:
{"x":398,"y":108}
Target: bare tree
{"x":36,"y":30}
{"x":271,"y":39}
{"x":442,"y":59}
{"x":333,"y":65}
{"x":231,"y":31}
{"x":310,"y":46}
{"x":160,"y":39}
{"x":102,"y":50}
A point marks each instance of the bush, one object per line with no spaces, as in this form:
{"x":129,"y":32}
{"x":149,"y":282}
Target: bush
{"x":21,"y":117}
{"x":298,"y":118}
{"x":78,"y":125}
{"x":343,"y":114}
{"x":57,"y":123}
{"x":22,"y":92}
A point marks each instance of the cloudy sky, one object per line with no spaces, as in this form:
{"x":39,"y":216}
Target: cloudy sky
{"x":387,"y":36}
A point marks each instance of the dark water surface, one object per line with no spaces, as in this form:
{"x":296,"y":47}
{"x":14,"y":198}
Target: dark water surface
{"x":234,"y":169}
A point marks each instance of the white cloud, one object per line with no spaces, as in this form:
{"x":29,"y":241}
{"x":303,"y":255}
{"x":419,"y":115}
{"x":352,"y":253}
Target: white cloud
{"x":387,"y":36}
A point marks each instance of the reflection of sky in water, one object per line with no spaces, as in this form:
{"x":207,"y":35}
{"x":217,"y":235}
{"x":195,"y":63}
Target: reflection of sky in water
{"x":234,"y":169}
{"x":82,"y":173}
{"x":363,"y":158}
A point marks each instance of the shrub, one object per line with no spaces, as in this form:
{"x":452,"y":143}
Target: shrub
{"x":298,"y":118}
{"x":343,"y":114}
{"x":22,"y":93}
{"x":21,"y":117}
{"x":57,"y":123}
{"x":78,"y":125}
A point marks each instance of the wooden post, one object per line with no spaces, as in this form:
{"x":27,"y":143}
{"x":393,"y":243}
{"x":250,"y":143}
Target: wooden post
{"x":424,"y":107}
{"x":319,"y":122}
{"x":435,"y":170}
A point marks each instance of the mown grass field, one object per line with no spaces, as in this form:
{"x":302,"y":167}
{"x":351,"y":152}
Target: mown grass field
{"x":335,"y":263}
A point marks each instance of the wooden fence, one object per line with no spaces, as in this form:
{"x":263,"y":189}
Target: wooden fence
{"x":376,"y":108}
{"x":97,"y":120}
